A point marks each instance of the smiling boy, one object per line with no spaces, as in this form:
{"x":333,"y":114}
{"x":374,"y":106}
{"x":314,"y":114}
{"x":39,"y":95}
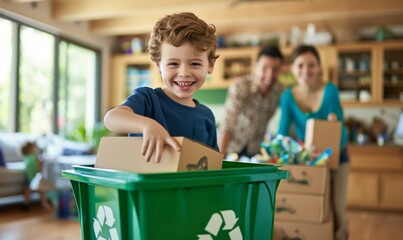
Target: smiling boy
{"x":183,"y":48}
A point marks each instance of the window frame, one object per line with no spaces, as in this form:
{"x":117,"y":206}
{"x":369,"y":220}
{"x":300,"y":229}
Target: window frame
{"x":15,"y":75}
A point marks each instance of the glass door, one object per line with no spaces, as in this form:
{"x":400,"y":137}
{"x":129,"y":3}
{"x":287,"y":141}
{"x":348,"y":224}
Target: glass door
{"x":392,"y":71}
{"x":355,"y":74}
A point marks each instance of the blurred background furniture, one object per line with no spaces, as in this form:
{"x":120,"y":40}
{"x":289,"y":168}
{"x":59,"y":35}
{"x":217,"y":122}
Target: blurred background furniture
{"x":62,"y":196}
{"x":12,"y":178}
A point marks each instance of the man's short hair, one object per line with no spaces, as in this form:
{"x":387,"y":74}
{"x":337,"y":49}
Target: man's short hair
{"x":271,"y":51}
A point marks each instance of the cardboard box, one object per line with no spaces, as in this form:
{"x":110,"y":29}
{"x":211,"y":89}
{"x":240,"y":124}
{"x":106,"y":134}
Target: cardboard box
{"x":124,"y":154}
{"x":302,"y":207}
{"x":304,"y":231}
{"x":324,"y":134}
{"x":305,"y":179}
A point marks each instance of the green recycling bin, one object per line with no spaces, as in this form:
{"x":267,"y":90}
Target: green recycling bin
{"x":234,"y":203}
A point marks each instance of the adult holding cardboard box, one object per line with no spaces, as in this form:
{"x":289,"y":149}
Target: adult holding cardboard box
{"x":312,"y":97}
{"x":184,"y":49}
{"x":251,"y":102}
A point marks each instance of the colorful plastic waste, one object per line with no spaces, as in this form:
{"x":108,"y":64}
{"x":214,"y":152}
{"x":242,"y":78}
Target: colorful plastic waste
{"x":281,"y":150}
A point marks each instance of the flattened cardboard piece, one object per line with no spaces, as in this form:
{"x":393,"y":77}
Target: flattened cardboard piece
{"x":324,"y":134}
{"x":303,"y":230}
{"x":302,"y":207}
{"x":124,"y":154}
{"x":305,"y":179}
{"x":307,"y":197}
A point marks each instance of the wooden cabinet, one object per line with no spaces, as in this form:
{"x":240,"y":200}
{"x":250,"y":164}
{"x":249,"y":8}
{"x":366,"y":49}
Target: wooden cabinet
{"x":367,"y":74}
{"x":391,"y":194}
{"x":370,"y":73}
{"x":355,"y":72}
{"x":129,"y":72}
{"x":391,"y":72}
{"x":363,"y":189}
{"x":376,"y":177}
{"x":232,"y":63}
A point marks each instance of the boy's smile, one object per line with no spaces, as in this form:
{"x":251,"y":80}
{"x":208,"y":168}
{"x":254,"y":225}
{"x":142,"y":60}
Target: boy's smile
{"x":183,"y":71}
{"x":184,"y":86}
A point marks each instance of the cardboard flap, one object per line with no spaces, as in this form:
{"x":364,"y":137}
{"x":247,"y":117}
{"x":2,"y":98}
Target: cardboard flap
{"x":200,"y":157}
{"x":124,"y":154}
{"x":305,"y":179}
{"x":324,"y":134}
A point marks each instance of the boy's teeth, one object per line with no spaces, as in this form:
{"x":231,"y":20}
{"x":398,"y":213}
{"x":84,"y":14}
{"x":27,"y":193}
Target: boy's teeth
{"x":184,"y":83}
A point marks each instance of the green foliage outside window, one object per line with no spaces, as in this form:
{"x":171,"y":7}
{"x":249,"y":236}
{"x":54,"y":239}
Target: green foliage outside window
{"x":35,"y":108}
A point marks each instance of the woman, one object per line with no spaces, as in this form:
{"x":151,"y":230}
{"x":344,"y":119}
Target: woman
{"x":312,"y":97}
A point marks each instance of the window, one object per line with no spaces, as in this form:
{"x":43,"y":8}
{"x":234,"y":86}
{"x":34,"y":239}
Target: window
{"x":6,"y":60}
{"x":35,"y":81}
{"x":51,"y":83}
{"x":77,"y":87}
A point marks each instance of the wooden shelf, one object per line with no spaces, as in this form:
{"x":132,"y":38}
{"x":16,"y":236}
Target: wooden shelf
{"x":393,"y":85}
{"x":239,"y":61}
{"x":393,"y":71}
{"x":354,"y":73}
{"x":354,"y":86}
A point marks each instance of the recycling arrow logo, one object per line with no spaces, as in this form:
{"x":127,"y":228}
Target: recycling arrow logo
{"x":223,"y":222}
{"x":103,"y":224}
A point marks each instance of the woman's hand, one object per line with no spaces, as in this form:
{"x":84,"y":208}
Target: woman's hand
{"x":332,"y":117}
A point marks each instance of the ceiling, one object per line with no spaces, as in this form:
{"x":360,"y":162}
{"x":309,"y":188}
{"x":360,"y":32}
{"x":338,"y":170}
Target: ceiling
{"x":137,"y":17}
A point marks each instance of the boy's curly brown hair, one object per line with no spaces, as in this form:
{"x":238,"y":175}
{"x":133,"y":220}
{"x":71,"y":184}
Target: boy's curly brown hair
{"x":178,"y":28}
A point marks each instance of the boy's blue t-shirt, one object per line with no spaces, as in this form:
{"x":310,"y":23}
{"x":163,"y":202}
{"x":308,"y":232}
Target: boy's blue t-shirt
{"x":196,"y":123}
{"x":291,"y":114}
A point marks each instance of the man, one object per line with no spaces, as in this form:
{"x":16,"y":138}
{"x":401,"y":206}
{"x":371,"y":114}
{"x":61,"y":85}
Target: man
{"x":251,"y":101}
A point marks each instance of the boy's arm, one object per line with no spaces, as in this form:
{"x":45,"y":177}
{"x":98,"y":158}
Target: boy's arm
{"x":123,"y":120}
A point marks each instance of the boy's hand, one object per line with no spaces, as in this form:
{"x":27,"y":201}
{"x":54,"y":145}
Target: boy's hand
{"x":122,"y":119}
{"x":154,"y":139}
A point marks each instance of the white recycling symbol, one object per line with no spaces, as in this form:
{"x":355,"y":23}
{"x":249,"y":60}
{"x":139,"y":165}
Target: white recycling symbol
{"x":215,"y":225}
{"x":105,"y":218}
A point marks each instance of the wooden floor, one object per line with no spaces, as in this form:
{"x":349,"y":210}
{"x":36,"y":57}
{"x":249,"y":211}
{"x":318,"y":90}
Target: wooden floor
{"x":37,"y":224}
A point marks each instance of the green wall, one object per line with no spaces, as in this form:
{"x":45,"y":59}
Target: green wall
{"x":211,"y":96}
